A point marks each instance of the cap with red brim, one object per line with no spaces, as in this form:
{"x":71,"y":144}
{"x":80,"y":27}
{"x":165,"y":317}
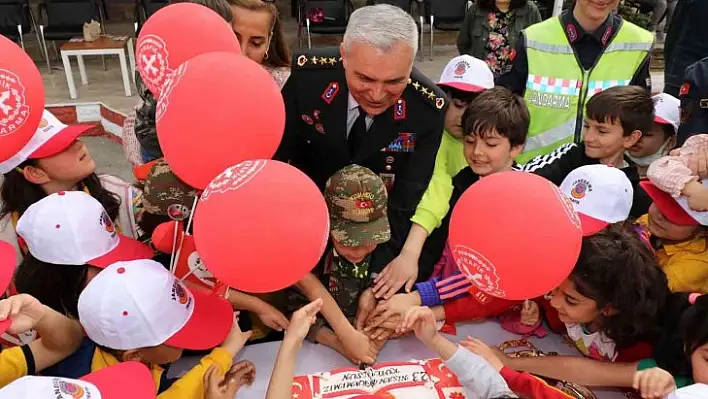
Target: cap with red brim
{"x":8,"y":262}
{"x":124,"y":380}
{"x":127,"y":249}
{"x":129,"y":379}
{"x":210,"y":322}
{"x":668,"y":206}
{"x":590,"y":225}
{"x":60,"y":141}
{"x":463,"y":87}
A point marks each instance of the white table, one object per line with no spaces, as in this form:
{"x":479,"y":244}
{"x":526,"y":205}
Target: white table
{"x":317,"y":358}
{"x":105,"y":45}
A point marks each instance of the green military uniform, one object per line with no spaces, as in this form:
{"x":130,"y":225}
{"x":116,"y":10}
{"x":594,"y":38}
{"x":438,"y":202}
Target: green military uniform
{"x":400,"y":145}
{"x":357,"y":203}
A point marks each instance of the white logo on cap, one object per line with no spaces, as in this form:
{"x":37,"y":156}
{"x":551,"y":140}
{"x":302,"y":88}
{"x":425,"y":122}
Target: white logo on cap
{"x":567,"y":206}
{"x":199,"y":270}
{"x":64,"y":389}
{"x":152,"y":58}
{"x":480,"y":270}
{"x":163,"y":100}
{"x":234,"y":177}
{"x":13,"y":107}
{"x":180,"y":294}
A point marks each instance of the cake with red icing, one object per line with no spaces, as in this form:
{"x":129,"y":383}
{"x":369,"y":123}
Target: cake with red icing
{"x":416,"y":379}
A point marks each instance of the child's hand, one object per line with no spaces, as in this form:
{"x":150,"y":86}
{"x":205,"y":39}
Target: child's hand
{"x":530,"y":313}
{"x":421,"y":320}
{"x":302,"y":320}
{"x":272,"y":317}
{"x":236,"y":339}
{"x":358,"y":347}
{"x":23,"y":310}
{"x":698,"y":199}
{"x":494,"y":358}
{"x":240,"y":374}
{"x":654,"y":383}
{"x":367,"y":304}
{"x":403,"y":270}
{"x":387,"y":309}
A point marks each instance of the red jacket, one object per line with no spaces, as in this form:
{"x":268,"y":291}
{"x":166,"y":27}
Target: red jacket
{"x":529,"y":386}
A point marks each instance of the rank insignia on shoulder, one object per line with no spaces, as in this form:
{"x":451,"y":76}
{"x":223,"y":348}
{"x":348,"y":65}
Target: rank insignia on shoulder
{"x":330,"y":92}
{"x":439,"y":103}
{"x":314,"y":61}
{"x":399,"y":110}
{"x":429,"y":94}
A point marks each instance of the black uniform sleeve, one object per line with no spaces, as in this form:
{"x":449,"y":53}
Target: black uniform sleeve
{"x":408,"y":190}
{"x":558,"y":164}
{"x":145,"y":129}
{"x":642,"y":77}
{"x":515,"y":79}
{"x":464,"y":38}
{"x":288,"y":145}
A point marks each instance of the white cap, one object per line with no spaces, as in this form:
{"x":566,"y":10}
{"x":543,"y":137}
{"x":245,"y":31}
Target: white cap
{"x":467,"y":73}
{"x":50,"y":138}
{"x":139,"y":304}
{"x":72,"y":228}
{"x":667,"y":110}
{"x":125,"y":380}
{"x":600,"y":194}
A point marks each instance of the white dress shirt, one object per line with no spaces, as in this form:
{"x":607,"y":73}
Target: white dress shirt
{"x":353,"y":113}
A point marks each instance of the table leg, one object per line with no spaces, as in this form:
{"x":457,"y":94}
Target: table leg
{"x":124,"y":72}
{"x":82,"y":70}
{"x":69,"y":76}
{"x":131,"y":57}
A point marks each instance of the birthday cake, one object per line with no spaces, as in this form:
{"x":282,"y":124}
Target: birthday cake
{"x":417,"y":379}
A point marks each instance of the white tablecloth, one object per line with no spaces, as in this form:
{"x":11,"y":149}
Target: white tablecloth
{"x":317,"y":358}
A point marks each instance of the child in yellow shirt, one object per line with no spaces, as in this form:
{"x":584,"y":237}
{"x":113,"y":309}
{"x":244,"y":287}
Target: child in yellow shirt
{"x":60,"y":336}
{"x":678,"y":235}
{"x":138,"y":311}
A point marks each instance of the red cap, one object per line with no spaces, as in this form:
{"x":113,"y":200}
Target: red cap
{"x":667,"y":205}
{"x":127,"y":249}
{"x":8,"y":262}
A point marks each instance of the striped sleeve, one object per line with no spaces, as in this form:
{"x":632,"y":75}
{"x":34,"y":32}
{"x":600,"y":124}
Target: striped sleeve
{"x":454,"y":287}
{"x":542,"y":161}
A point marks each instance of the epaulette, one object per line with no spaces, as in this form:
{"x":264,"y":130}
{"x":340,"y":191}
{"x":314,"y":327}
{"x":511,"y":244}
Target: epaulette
{"x":430,"y":92}
{"x":317,"y":58}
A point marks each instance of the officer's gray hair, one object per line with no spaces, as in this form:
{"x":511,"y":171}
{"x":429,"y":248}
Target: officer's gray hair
{"x":381,"y":26}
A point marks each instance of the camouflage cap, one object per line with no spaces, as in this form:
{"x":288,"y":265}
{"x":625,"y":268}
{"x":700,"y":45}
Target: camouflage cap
{"x":163,"y":189}
{"x":357,"y":202}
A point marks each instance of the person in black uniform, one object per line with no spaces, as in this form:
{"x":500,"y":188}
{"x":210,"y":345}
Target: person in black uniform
{"x":365,"y":103}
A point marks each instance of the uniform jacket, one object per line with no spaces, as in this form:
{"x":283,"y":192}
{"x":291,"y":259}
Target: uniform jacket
{"x":400,"y":146}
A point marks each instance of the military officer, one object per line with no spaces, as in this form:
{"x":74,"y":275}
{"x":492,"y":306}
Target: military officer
{"x":365,"y":103}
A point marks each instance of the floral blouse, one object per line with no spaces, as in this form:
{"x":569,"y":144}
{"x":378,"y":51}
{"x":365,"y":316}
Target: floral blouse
{"x":499,"y":54}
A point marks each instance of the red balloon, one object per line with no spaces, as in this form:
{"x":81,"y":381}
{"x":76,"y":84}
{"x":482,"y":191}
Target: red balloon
{"x":515,"y":235}
{"x":175,"y":34}
{"x":218,"y":110}
{"x":261,"y":225}
{"x":164,"y":235}
{"x":21,"y":98}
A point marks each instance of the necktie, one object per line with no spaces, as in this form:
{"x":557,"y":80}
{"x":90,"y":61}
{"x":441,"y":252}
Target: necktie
{"x":357,"y":134}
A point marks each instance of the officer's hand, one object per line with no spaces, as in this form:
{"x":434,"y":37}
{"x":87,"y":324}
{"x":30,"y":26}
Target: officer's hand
{"x":402,"y":270}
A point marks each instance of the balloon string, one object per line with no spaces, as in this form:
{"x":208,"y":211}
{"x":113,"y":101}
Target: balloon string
{"x":186,"y":231}
{"x":174,"y":248}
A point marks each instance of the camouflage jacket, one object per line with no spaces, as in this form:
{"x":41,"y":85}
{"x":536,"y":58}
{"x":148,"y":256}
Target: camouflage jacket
{"x":145,"y":120}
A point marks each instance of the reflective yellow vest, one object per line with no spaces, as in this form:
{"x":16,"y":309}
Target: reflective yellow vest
{"x":558,"y":88}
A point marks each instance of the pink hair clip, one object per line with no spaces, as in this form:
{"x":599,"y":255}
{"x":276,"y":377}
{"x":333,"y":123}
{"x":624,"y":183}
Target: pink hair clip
{"x":692,"y":298}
